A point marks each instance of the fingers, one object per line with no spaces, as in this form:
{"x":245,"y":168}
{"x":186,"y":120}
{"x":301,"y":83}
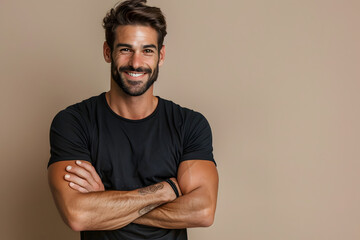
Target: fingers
{"x":94,"y":179}
{"x":77,"y":187}
{"x":82,"y":174}
{"x":83,"y":177}
{"x":90,"y":169}
{"x":77,"y":183}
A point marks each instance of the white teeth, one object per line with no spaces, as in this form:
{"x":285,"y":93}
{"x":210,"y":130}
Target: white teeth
{"x":135,"y":74}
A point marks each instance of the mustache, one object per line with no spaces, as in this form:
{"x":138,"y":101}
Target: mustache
{"x":132,"y":69}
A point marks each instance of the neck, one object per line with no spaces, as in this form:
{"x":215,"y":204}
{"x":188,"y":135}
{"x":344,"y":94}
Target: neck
{"x":130,"y":107}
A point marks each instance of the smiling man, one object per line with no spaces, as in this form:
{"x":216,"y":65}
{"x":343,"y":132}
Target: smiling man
{"x":127,"y":164}
{"x":136,"y":78}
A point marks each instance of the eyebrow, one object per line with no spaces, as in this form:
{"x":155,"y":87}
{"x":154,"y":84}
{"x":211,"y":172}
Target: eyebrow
{"x":130,"y":46}
{"x":150,"y":46}
{"x":123,"y":45}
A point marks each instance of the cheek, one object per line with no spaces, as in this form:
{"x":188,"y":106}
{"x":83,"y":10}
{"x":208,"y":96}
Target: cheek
{"x":121,"y":60}
{"x":152,"y":63}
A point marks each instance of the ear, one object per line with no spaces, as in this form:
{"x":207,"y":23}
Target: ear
{"x":162,"y":55}
{"x":107,"y":52}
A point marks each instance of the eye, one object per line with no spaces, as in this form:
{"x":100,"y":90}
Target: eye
{"x":125,"y":50}
{"x":148,"y":51}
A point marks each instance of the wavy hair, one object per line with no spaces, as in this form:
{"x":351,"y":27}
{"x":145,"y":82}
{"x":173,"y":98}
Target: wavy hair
{"x":134,"y":12}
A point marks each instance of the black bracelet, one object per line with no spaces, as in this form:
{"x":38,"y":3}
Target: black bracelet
{"x":172,"y":184}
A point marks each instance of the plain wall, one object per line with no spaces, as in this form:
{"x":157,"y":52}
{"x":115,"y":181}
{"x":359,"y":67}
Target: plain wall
{"x":277,"y":80}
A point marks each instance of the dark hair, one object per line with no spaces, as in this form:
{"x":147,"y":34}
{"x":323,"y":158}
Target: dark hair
{"x":134,"y":12}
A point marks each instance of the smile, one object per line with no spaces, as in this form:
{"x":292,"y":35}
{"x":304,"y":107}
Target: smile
{"x":135,"y":74}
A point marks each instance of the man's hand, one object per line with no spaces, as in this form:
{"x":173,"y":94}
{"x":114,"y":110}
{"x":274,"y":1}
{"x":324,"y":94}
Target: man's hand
{"x":83,"y":177}
{"x":85,"y":206}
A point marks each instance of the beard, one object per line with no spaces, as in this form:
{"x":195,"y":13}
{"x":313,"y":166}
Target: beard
{"x":134,"y":88}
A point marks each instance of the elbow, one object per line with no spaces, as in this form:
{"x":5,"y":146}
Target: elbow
{"x":75,"y":220}
{"x":75,"y":225}
{"x":208,"y":217}
{"x":205,"y":218}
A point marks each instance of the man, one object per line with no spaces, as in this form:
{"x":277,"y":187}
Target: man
{"x":126,"y":164}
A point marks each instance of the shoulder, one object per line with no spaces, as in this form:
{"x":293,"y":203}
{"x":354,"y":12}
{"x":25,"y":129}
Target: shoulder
{"x":193,"y":123}
{"x":81,"y":111}
{"x":196,"y":132}
{"x":186,"y":114}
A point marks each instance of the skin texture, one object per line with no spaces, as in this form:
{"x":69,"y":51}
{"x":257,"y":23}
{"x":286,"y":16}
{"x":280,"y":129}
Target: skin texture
{"x":77,"y":189}
{"x":198,"y":182}
{"x":138,"y":37}
{"x":100,"y":210}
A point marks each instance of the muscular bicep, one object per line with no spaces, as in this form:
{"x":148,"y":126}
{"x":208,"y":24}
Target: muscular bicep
{"x":62,"y":193}
{"x":194,"y":174}
{"x":56,"y":174}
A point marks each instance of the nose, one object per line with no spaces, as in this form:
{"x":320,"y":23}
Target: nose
{"x":135,"y":60}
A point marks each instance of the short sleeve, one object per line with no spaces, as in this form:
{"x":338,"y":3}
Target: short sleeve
{"x":197,"y":139}
{"x":68,"y":137}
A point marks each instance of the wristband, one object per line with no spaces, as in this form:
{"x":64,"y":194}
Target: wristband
{"x":172,"y":184}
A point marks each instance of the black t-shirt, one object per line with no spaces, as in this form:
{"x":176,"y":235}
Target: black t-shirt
{"x":130,"y":154}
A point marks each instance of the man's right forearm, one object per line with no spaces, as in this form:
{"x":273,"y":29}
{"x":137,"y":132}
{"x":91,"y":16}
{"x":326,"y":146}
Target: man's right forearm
{"x":107,"y":210}
{"x":110,"y":210}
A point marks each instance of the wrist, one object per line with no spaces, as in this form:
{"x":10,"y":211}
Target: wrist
{"x":173,"y":186}
{"x":168,"y":193}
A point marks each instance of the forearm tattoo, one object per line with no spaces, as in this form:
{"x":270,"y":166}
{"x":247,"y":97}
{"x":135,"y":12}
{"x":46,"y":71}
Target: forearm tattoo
{"x":147,"y":209}
{"x":151,"y":189}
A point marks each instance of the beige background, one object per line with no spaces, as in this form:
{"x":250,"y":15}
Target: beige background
{"x":278,"y":81}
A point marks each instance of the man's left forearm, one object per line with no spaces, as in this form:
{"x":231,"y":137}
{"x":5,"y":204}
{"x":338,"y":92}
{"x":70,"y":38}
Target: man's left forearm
{"x":198,"y":181}
{"x":195,"y":209}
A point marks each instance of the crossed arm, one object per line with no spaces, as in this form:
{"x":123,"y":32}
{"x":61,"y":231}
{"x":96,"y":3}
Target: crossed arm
{"x":198,"y":181}
{"x":84,"y":205}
